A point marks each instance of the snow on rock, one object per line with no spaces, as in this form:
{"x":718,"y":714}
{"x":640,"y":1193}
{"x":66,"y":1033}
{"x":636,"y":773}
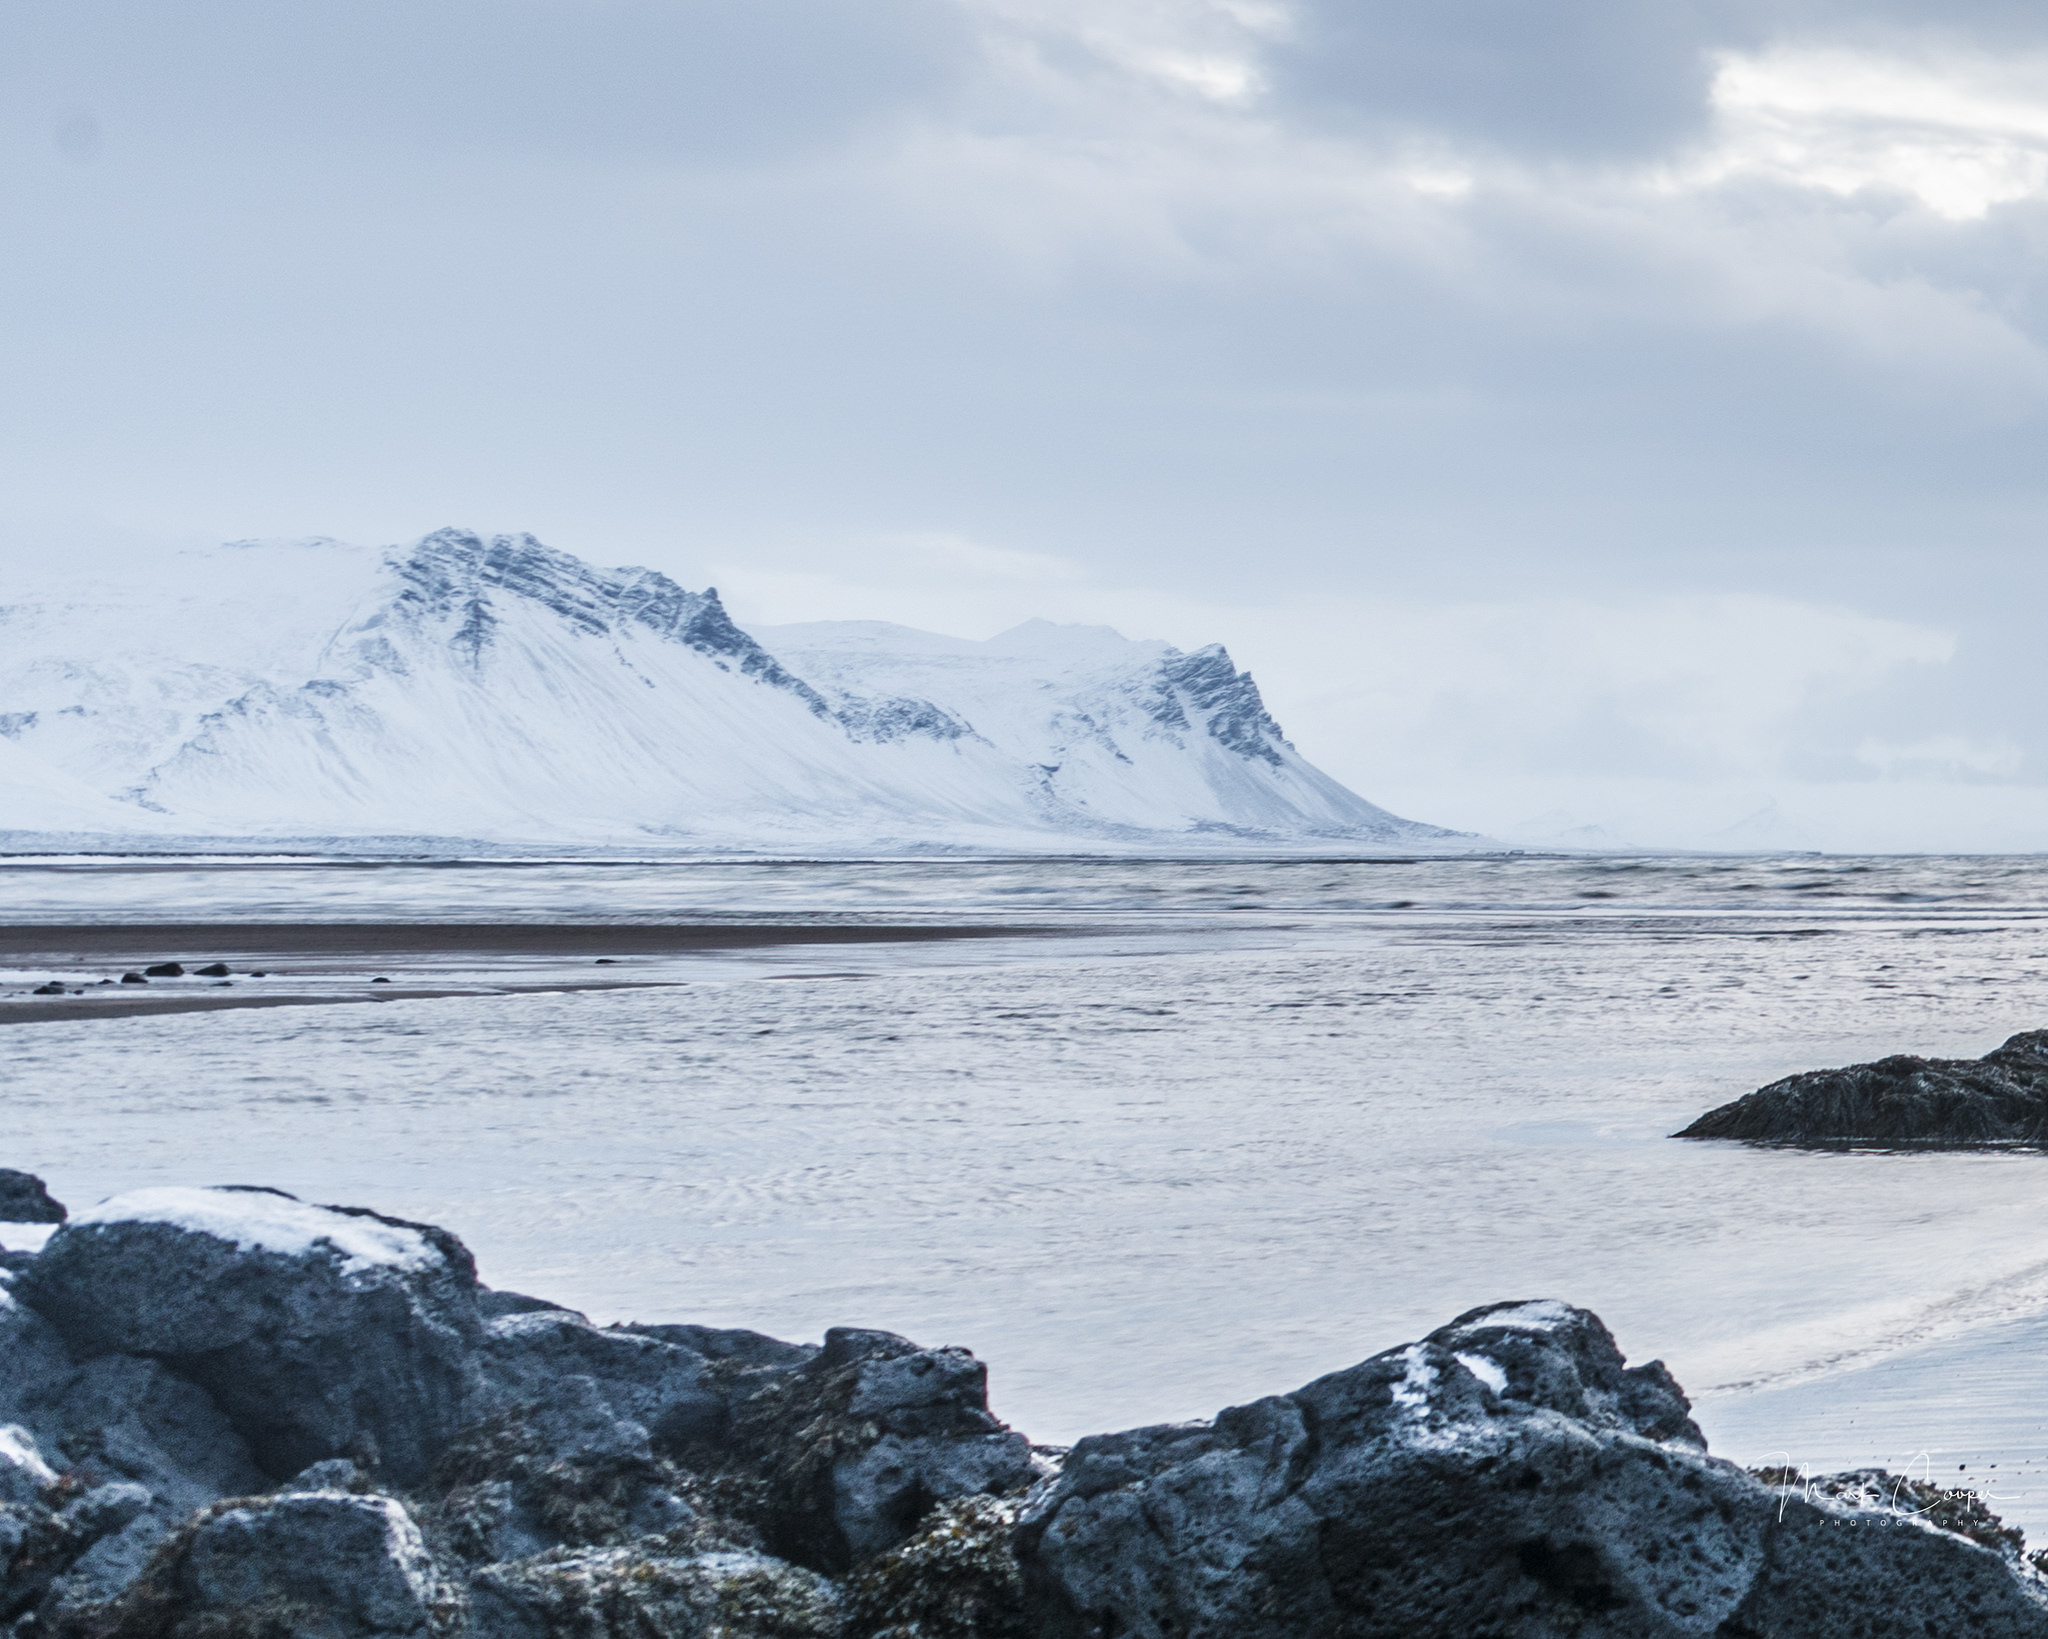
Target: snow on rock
{"x":493,"y":688}
{"x":264,"y":1221}
{"x":1574,"y":1503}
{"x":1485,"y":1370}
{"x":320,"y":1331}
{"x":23,"y":1473}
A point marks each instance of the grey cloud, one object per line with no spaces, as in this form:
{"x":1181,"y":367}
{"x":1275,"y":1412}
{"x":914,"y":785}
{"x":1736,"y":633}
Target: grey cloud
{"x":617,"y":271}
{"x":1584,"y":80}
{"x":717,"y":79}
{"x":1592,"y":77}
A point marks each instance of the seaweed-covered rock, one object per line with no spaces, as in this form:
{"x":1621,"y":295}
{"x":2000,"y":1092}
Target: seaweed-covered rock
{"x":858,"y":1444}
{"x":1999,"y":1100}
{"x":623,"y":1593}
{"x":320,"y":1331}
{"x":957,"y":1577}
{"x":562,"y":1473}
{"x":1507,"y":1474}
{"x":24,"y":1199}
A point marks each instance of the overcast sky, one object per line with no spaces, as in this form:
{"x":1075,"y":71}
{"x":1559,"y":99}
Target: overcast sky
{"x":1628,"y":413}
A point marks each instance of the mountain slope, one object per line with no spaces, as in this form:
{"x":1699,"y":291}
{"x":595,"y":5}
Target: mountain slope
{"x":492,"y":688}
{"x":1118,"y":731}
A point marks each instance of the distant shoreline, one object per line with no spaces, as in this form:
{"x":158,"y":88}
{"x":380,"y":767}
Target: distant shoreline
{"x":345,"y":957}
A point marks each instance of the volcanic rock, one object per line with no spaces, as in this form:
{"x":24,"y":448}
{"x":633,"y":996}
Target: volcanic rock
{"x":662,"y":1386}
{"x":2000,"y":1100}
{"x":859,"y":1442}
{"x":320,"y":1331}
{"x":320,"y":1565}
{"x":1505,"y":1475}
{"x":490,"y":1466}
{"x":25,"y":1199}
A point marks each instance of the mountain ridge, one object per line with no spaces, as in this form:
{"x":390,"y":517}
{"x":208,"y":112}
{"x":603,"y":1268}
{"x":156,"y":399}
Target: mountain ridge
{"x":492,"y":687}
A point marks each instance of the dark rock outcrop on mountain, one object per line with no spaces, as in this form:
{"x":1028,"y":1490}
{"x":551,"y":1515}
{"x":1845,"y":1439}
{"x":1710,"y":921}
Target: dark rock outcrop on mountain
{"x":491,"y":1466}
{"x":1997,"y":1101}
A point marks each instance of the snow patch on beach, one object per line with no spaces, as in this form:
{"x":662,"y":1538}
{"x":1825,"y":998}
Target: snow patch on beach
{"x":257,"y":1221}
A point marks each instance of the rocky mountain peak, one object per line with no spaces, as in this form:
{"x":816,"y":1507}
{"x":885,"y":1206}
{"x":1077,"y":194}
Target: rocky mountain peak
{"x":451,"y":575}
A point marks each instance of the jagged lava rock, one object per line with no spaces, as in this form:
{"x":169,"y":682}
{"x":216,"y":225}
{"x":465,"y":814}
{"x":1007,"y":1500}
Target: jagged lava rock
{"x":1506,"y":1475}
{"x":860,"y":1441}
{"x":121,"y":1426}
{"x":663,"y":1386}
{"x":33,"y":1358}
{"x":319,"y":1565}
{"x":320,"y":1331}
{"x":48,"y":1525}
{"x":117,"y":1416}
{"x":734,"y":1344}
{"x":25,"y":1199}
{"x":1998,"y":1100}
{"x":359,"y":1558}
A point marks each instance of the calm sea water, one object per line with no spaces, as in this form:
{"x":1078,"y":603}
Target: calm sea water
{"x":1239,"y":1124}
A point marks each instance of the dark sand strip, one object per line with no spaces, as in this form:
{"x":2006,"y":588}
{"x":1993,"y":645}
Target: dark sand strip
{"x":483,"y":958}
{"x":128,"y":1005}
{"x":197,"y":943}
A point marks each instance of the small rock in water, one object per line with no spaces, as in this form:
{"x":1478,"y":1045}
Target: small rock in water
{"x":258,"y":973}
{"x":380,"y":981}
{"x":133,"y":979}
{"x":214,"y":970}
{"x":51,"y":989}
{"x":166,"y":970}
{"x":24,"y":1199}
{"x":1999,"y":1100}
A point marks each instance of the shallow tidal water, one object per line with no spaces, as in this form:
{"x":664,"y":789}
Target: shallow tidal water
{"x":1232,"y":1126}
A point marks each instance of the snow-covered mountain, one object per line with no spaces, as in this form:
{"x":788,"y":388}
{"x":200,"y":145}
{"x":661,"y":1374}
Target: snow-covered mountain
{"x":493,"y":689}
